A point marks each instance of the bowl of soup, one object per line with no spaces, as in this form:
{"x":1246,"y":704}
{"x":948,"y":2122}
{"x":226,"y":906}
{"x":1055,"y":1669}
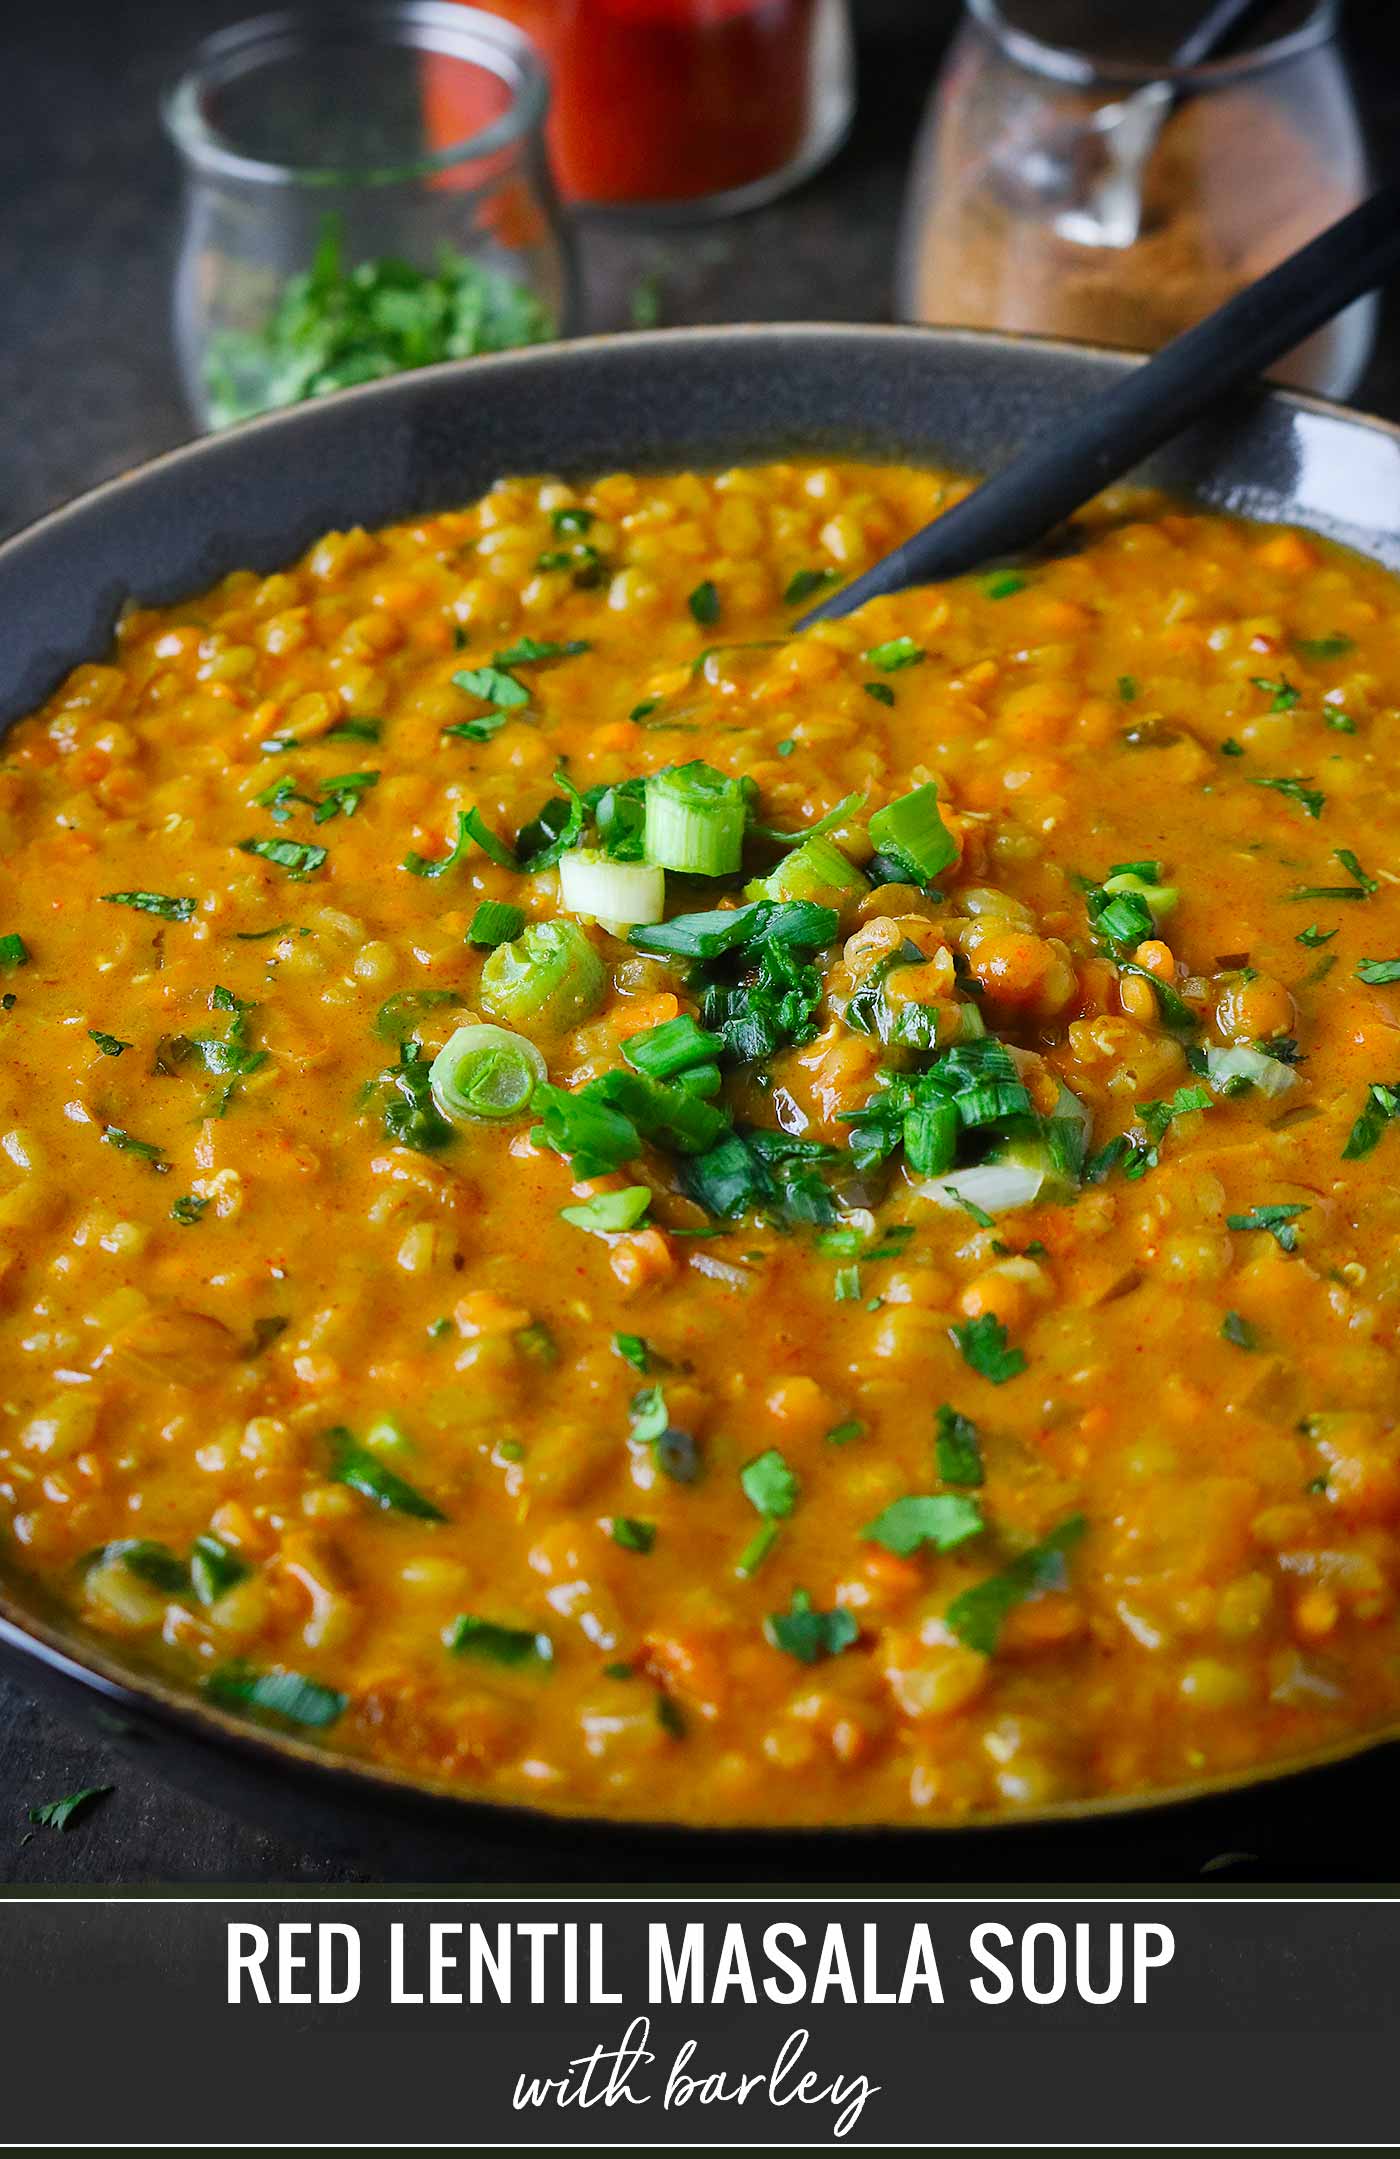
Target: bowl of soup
{"x":611,"y":1212}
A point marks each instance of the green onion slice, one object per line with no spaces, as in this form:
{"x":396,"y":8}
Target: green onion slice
{"x":485,"y":1073}
{"x":695,"y":820}
{"x":550,"y":976}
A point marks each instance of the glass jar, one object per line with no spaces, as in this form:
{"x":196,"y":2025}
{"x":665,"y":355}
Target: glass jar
{"x":1087,"y":189}
{"x":685,"y":109}
{"x":331,"y":235}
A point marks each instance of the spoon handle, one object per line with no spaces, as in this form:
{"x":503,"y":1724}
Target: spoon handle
{"x":1045,"y":482}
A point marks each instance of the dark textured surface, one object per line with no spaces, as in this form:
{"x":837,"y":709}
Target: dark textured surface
{"x":87,"y":389}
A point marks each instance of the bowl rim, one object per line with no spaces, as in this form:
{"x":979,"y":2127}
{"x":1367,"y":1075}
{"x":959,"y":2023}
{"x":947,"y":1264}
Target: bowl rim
{"x":71,"y":1654}
{"x":601,"y":345}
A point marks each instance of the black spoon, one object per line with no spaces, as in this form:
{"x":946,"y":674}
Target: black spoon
{"x":1020,"y":506}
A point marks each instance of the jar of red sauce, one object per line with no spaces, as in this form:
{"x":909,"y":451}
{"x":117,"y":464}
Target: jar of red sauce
{"x":689,"y":108}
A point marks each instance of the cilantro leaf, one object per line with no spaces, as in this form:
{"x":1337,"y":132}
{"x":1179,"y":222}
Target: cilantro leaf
{"x":958,"y":1449}
{"x":984,"y":1346}
{"x":808,"y":1634}
{"x":1278,"y":1221}
{"x":945,"y":1520}
{"x":977,"y":1616}
{"x":58,"y":1813}
{"x":770,"y":1485}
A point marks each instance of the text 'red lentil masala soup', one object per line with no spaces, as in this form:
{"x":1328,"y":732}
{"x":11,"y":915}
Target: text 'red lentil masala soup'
{"x":606,"y":1205}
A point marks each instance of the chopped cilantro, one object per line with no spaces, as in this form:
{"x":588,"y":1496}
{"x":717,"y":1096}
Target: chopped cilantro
{"x":58,"y":1813}
{"x":110,"y":1045}
{"x":1235,"y":1329}
{"x":632,"y":1535}
{"x":1382,"y":1105}
{"x":1374,"y":971}
{"x":984,"y":1346}
{"x":1281,"y":694}
{"x":1278,"y":1221}
{"x":704,"y":604}
{"x":297,"y":857}
{"x":945,"y":1520}
{"x":769,"y":1485}
{"x":957,"y":1448}
{"x":808,"y":1634}
{"x":977,"y":1616}
{"x":153,"y":903}
{"x":1310,"y":799}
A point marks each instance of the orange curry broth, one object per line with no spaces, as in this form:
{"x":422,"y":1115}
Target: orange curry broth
{"x":1231,"y":1599}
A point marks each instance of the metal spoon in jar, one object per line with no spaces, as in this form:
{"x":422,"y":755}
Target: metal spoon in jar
{"x":1077,"y":458}
{"x":1086,"y":177}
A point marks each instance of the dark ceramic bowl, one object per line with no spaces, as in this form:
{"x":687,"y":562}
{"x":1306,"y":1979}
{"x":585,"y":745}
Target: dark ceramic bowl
{"x":256,"y":497}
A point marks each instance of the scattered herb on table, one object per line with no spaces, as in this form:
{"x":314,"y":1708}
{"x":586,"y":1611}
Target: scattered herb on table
{"x":58,"y":1813}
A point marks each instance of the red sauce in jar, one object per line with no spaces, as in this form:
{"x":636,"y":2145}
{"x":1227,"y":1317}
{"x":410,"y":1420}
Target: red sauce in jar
{"x":671,"y":100}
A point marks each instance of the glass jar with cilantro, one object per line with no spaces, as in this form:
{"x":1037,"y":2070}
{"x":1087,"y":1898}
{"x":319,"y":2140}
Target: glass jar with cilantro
{"x":364,"y":194}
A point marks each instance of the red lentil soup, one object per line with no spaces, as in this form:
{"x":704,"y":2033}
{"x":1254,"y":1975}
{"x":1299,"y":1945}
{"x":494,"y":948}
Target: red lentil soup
{"x":605,"y":1204}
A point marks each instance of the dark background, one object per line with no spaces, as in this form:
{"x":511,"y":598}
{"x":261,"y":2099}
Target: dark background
{"x":88,"y":204}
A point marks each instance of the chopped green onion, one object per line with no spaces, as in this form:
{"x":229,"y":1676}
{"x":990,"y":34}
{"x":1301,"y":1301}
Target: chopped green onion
{"x":803,"y":583}
{"x":619,"y":894}
{"x":485,"y":1073}
{"x":469,"y":1636}
{"x":732,"y":929}
{"x":1372,"y":971}
{"x":596,"y":1138}
{"x":609,"y":1214}
{"x":14,"y":952}
{"x":895,"y":653}
{"x":817,"y":870}
{"x":834,"y":817}
{"x":912,"y":832}
{"x":276,"y":1694}
{"x":496,"y":922}
{"x":110,"y":1045}
{"x":695,"y":820}
{"x":214,"y":1568}
{"x":364,"y":1473}
{"x":550,"y":976}
{"x":704,"y":604}
{"x":676,"y":1046}
{"x":632,"y":1535}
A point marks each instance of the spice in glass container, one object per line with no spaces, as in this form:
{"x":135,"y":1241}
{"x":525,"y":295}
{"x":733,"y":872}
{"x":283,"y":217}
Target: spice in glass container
{"x":1242,"y":165}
